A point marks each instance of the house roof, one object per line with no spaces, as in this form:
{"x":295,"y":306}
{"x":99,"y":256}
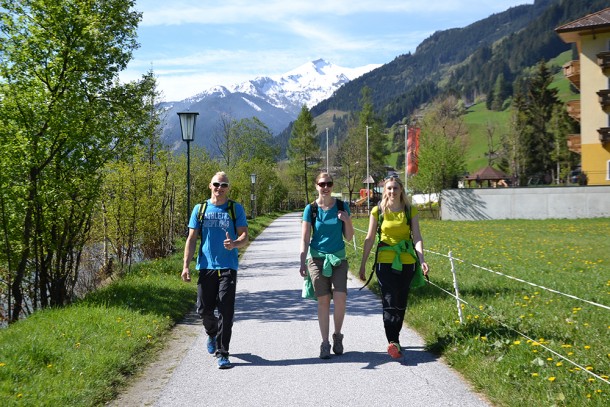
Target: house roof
{"x":488,"y":173}
{"x":594,"y":23}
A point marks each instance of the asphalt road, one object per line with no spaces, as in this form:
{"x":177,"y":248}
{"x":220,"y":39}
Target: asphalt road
{"x":276,"y":342}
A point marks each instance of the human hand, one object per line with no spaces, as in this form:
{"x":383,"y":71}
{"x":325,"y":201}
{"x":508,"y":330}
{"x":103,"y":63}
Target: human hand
{"x":228,"y":243}
{"x":362,"y":273}
{"x":303,"y":270}
{"x":186,"y":275}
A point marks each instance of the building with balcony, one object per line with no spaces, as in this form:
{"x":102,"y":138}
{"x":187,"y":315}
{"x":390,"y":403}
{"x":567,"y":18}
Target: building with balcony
{"x":591,"y":74}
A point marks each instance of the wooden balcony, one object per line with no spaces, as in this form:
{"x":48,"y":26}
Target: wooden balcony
{"x":604,"y":135}
{"x":574,"y":143}
{"x":571,"y":70}
{"x":573,"y":109}
{"x":604,"y":99}
{"x":603,"y":60}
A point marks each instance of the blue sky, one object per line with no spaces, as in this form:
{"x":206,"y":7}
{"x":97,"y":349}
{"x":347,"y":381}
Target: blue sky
{"x":193,"y":45}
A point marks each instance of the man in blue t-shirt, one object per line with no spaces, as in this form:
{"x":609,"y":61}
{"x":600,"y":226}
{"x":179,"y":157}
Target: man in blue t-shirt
{"x":222,"y":226}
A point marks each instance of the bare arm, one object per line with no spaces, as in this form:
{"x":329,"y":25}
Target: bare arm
{"x":305,"y":238}
{"x":369,"y":240}
{"x":189,"y":252}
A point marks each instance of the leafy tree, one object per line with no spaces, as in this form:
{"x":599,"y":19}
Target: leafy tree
{"x":63,"y":117}
{"x":350,"y":153}
{"x":442,"y":146}
{"x":245,"y":138}
{"x":304,"y":148}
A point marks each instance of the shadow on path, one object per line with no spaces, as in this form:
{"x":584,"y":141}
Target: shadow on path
{"x":413,"y":356}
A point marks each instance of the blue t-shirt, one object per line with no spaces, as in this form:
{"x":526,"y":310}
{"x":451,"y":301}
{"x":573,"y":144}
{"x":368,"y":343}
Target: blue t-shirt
{"x":216,"y":222}
{"x":328,"y":231}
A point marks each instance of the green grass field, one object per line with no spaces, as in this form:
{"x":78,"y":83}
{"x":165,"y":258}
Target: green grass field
{"x":516,"y":337}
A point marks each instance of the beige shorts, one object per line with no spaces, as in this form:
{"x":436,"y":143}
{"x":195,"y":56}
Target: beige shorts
{"x":326,"y":285}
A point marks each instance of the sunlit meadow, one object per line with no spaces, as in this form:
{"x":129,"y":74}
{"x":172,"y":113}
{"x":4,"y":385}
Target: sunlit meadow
{"x":532,"y":336}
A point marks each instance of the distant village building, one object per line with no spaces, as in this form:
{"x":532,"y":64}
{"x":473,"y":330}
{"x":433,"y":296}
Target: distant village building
{"x":590,"y":73}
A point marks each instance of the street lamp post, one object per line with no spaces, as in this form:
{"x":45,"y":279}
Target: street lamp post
{"x":368,"y":195}
{"x":327,"y":165}
{"x":187,"y":128}
{"x":252,"y":197}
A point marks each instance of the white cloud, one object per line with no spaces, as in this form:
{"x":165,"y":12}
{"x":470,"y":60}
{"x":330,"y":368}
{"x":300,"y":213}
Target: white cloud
{"x":196,"y":44}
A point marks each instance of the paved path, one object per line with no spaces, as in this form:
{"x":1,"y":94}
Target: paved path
{"x":276,"y":341}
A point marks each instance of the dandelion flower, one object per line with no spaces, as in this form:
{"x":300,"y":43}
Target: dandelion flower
{"x":552,"y":379}
{"x":535,"y":375}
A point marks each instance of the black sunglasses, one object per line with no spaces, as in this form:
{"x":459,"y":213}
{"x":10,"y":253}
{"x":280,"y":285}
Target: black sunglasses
{"x":325,"y":184}
{"x":220,"y":184}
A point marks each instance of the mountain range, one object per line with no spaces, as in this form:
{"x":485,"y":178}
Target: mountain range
{"x":276,"y":101}
{"x":467,"y":61}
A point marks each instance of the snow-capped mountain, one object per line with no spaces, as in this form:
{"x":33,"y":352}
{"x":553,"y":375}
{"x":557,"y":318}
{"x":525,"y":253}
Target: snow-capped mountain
{"x":276,"y":101}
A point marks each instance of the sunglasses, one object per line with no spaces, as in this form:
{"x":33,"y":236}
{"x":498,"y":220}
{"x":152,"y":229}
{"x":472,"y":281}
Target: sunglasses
{"x":325,"y":184}
{"x":220,"y":184}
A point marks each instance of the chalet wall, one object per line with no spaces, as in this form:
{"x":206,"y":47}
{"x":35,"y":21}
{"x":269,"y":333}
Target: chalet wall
{"x":525,"y":203}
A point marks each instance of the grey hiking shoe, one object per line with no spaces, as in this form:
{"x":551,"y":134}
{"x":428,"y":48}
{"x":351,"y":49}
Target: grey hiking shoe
{"x":338,"y":344}
{"x":325,"y":350}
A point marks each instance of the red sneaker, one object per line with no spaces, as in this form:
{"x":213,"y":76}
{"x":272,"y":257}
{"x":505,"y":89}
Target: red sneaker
{"x":394,"y":350}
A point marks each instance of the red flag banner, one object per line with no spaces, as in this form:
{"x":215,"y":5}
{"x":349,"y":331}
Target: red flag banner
{"x":413,"y":150}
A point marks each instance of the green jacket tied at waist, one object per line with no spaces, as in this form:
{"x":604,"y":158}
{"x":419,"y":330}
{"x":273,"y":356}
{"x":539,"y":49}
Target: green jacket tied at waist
{"x":330,"y":260}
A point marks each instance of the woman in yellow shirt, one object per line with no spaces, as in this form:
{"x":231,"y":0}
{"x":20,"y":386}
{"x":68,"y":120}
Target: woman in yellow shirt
{"x":395,"y":263}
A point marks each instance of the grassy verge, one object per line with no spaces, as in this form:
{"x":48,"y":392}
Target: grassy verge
{"x":565,"y":338}
{"x":82,"y":354}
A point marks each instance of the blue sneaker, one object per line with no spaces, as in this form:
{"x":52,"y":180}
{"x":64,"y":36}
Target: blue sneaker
{"x":211,"y":345}
{"x":224,"y":363}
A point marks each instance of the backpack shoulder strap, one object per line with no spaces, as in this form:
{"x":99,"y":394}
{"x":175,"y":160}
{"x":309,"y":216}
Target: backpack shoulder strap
{"x":202,"y":207}
{"x":231,"y":209}
{"x":408,"y":214}
{"x":340,"y":205}
{"x":313,"y":214}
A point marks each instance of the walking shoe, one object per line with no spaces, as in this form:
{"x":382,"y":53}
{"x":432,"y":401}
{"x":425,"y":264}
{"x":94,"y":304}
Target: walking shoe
{"x":325,"y":350}
{"x":224,"y":363}
{"x":338,"y":344}
{"x":394,"y":350}
{"x":211,"y":345}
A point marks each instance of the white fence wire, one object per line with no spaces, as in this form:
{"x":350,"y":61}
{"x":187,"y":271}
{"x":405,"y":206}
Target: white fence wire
{"x":460,"y":301}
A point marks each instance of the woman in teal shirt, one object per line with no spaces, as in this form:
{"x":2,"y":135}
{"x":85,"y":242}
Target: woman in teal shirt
{"x":325,"y":222}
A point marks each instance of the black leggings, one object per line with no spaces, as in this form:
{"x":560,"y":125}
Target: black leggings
{"x":394,"y":292}
{"x":216,"y":288}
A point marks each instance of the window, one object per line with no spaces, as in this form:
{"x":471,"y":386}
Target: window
{"x":608,"y":170}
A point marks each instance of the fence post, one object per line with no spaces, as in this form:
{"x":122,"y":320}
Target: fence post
{"x":455,"y":287}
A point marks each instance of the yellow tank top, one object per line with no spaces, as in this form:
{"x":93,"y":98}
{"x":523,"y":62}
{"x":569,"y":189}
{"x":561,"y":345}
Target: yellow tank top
{"x":394,"y":229}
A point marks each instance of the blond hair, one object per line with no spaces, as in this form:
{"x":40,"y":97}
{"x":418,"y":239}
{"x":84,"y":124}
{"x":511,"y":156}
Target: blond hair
{"x":221,"y":174}
{"x":383,"y":204}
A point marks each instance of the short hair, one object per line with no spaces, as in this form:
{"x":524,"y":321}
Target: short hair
{"x":221,"y":174}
